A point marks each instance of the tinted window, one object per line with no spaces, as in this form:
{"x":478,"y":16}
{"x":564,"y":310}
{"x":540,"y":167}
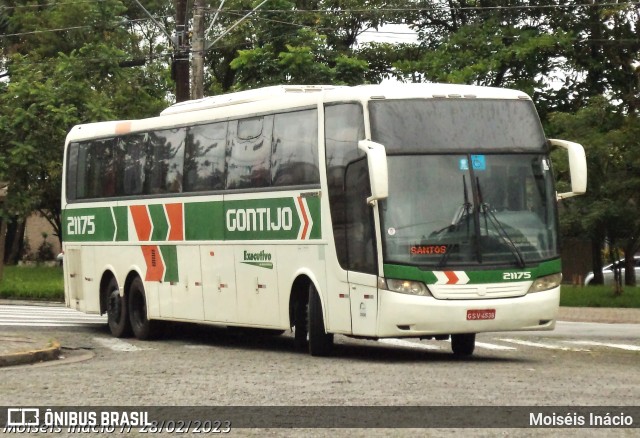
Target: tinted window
{"x":429,"y":125}
{"x":204,"y":163}
{"x":133,"y":149}
{"x":250,"y":153}
{"x":295,"y":148}
{"x":95,"y":169}
{"x":165,"y":157}
{"x":348,"y":182}
{"x":72,"y":171}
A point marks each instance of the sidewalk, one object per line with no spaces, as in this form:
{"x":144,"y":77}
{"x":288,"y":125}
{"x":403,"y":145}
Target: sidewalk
{"x":19,"y":348}
{"x":27,"y":347}
{"x":599,"y":314}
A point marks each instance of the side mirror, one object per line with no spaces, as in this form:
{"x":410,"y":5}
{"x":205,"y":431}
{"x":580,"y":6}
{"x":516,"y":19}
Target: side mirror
{"x":577,"y":167}
{"x":378,"y":173}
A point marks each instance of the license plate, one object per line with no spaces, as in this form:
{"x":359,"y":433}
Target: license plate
{"x":480,"y":314}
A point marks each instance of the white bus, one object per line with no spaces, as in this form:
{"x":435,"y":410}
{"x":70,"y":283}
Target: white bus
{"x":422,"y":211}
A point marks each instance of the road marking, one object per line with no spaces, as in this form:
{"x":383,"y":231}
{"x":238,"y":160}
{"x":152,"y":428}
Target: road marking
{"x":494,"y":346}
{"x":403,"y":343}
{"x":415,"y":344}
{"x":116,"y":344}
{"x":539,"y":345}
{"x":42,"y":316}
{"x":606,"y":344}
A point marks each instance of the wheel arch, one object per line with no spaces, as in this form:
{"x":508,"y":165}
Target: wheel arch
{"x":300,"y":292}
{"x":106,"y":278}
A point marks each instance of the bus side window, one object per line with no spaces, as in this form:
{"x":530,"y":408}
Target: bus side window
{"x":94,"y":159}
{"x":204,"y":160}
{"x":249,"y":154}
{"x":165,"y":161}
{"x":294,"y":158}
{"x":72,"y":172}
{"x":134,"y":163}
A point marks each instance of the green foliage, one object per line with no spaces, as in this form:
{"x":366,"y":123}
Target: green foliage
{"x":611,"y":207}
{"x":33,"y":283}
{"x":599,"y":296}
{"x":62,"y":64}
{"x":57,"y":80}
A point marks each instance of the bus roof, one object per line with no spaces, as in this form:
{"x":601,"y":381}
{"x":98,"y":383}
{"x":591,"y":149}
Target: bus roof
{"x":246,"y":103}
{"x":333,"y":92}
{"x":244,"y":97}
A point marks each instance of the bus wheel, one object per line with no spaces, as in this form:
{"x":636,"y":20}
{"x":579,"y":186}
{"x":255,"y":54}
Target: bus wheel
{"x":320,"y":342}
{"x":463,"y":344}
{"x":117,"y":315}
{"x":301,"y":326}
{"x":142,"y":327}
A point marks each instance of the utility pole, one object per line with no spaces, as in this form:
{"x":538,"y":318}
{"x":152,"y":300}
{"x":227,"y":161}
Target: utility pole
{"x":197,"y":92}
{"x":180,"y":70}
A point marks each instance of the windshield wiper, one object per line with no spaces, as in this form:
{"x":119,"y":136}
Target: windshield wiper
{"x":464,"y":211}
{"x":488,"y":213}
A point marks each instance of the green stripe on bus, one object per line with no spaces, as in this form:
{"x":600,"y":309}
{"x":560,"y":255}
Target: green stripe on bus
{"x":203,"y":221}
{"x":287,"y":218}
{"x":159,"y":221}
{"x":88,"y":225}
{"x":478,"y":277}
{"x":170,"y":258}
{"x":122,"y":223}
{"x":314,"y":209}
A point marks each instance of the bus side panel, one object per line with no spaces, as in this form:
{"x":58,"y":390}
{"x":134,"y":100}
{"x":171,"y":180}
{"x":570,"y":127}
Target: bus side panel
{"x":295,"y":260}
{"x":186,"y":287}
{"x":82,"y":286}
{"x":257,"y":285}
{"x":219,"y":283}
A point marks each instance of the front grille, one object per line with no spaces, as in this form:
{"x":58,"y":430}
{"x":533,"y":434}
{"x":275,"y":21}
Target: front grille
{"x":479,"y":291}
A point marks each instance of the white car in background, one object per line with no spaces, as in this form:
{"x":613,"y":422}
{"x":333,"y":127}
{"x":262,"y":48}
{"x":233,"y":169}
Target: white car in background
{"x":607,"y":272}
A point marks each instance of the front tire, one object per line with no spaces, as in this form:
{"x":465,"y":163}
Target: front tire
{"x":142,"y":327}
{"x":463,"y":344}
{"x":117,"y":311}
{"x":320,"y":342}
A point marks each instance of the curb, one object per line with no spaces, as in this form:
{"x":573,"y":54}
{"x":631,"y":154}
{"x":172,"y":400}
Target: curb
{"x":51,"y":352}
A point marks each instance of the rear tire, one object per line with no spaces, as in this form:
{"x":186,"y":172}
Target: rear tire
{"x":142,"y":327}
{"x":463,"y":344}
{"x":320,"y":342}
{"x":117,"y":311}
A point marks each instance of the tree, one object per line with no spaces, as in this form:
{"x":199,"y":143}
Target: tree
{"x":56,"y":82}
{"x":610,"y":210}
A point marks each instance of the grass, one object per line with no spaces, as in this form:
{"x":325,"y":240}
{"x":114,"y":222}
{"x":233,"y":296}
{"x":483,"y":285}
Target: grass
{"x":32,"y":283}
{"x":46,"y":283}
{"x":599,"y":296}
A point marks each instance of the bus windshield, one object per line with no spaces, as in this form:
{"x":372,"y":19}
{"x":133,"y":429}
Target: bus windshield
{"x":467,"y":205}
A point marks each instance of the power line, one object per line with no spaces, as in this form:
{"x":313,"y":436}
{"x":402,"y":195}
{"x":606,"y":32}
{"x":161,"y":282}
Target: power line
{"x":45,"y":5}
{"x":63,"y":29}
{"x":438,"y":8}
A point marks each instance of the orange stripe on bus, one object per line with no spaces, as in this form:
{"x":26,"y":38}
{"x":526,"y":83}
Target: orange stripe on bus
{"x":304,"y":217}
{"x":123,"y":128}
{"x":174,"y":213}
{"x":153,"y":260}
{"x":141,"y":221}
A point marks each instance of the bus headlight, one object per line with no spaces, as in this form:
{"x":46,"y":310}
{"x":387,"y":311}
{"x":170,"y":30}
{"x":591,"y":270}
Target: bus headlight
{"x":407,"y":287}
{"x":546,"y":283}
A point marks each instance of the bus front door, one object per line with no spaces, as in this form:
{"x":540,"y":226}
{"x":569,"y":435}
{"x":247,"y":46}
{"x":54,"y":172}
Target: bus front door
{"x":363,"y":290}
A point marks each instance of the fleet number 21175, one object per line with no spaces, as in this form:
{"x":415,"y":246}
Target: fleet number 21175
{"x":81,"y":225}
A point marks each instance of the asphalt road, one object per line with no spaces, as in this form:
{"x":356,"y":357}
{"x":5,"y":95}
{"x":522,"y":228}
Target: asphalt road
{"x":580,"y":364}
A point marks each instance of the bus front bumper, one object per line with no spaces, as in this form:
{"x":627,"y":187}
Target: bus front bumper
{"x":403,"y":315}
